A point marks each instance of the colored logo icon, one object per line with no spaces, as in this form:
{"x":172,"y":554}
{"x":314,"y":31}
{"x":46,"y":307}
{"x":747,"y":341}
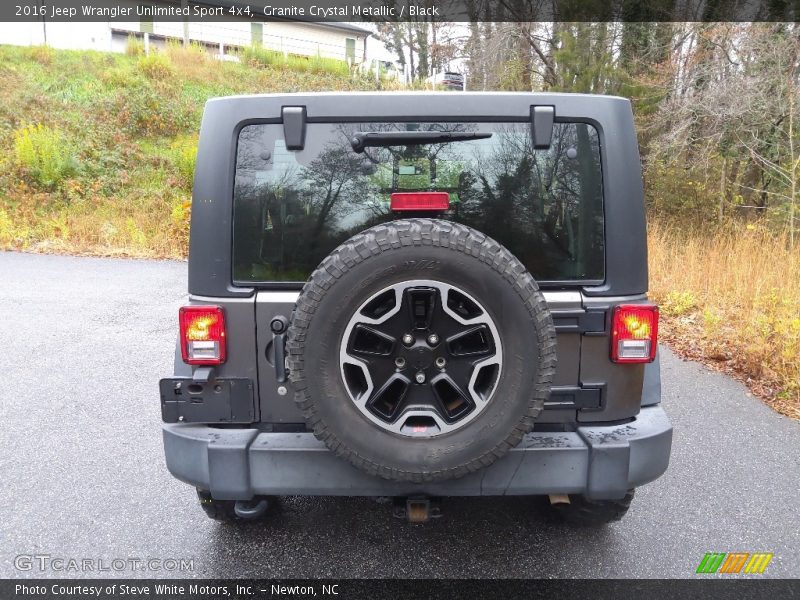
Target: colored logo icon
{"x":734,"y":562}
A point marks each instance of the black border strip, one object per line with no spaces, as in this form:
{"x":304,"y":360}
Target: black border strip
{"x":375,"y":11}
{"x":740,"y":587}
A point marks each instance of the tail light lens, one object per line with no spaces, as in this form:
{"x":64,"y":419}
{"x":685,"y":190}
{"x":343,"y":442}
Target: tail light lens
{"x":202,"y":335}
{"x":403,"y":201}
{"x":634,"y":333}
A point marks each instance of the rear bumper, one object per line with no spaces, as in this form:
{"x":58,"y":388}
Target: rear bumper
{"x":602,"y":462}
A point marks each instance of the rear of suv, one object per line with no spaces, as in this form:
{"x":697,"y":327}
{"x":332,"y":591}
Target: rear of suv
{"x":417,"y":295}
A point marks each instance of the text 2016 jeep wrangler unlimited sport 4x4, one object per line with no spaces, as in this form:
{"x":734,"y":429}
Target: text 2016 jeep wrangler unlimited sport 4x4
{"x":417,"y":295}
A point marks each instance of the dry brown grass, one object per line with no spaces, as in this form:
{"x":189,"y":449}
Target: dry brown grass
{"x":141,"y":224}
{"x":732,"y":300}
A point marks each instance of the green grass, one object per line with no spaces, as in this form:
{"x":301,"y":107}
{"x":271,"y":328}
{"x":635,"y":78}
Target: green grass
{"x":108,"y":167}
{"x":264,"y":57}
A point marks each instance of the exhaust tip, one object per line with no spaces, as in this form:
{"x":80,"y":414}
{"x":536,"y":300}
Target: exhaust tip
{"x":251,"y":509}
{"x":558,"y":498}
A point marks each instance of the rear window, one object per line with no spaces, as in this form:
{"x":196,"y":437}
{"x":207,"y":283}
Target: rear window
{"x":292,"y":208}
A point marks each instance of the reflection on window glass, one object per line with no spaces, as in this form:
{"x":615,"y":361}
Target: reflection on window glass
{"x":291,"y":208}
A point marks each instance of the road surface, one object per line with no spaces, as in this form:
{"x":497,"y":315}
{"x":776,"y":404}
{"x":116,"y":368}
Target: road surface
{"x":84,"y":342}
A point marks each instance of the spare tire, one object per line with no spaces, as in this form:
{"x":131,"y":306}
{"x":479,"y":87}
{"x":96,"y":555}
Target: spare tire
{"x":421,"y":350}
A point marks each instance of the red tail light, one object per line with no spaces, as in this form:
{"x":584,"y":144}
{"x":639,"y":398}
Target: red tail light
{"x":202,"y":335}
{"x":634,"y":333}
{"x":403,"y":201}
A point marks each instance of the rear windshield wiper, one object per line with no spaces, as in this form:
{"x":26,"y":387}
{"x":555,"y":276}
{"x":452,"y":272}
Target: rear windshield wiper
{"x":365,"y":139}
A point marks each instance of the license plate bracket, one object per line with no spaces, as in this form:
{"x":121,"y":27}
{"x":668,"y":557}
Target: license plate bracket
{"x":229,"y":400}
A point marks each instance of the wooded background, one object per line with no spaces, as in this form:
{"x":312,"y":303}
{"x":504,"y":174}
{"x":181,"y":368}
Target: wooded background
{"x":715,"y":103}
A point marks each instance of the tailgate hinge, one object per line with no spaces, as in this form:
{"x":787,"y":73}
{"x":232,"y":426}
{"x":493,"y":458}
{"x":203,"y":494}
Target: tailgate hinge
{"x":542,"y":118}
{"x":294,"y":127}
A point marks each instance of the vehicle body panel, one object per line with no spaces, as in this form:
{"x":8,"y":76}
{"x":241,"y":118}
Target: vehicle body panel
{"x":210,"y":268}
{"x":592,"y":396}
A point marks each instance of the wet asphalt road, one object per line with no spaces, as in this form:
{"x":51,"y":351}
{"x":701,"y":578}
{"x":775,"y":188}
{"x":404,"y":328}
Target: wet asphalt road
{"x":84,"y":342}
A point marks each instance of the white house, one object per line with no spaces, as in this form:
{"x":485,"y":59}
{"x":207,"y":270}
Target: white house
{"x":342,"y":41}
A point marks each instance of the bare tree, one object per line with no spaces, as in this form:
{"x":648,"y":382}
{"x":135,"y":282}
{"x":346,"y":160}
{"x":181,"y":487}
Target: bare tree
{"x":731,"y":108}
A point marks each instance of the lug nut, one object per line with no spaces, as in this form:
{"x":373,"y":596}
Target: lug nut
{"x":433,"y":339}
{"x":400,"y":362}
{"x":440,"y":362}
{"x":420,"y":377}
{"x":408,"y":339}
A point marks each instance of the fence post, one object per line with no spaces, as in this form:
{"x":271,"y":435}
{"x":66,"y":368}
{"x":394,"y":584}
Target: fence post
{"x":185,"y":7}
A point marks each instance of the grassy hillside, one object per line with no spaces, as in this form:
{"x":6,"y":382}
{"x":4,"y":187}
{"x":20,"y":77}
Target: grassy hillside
{"x":100,"y":147}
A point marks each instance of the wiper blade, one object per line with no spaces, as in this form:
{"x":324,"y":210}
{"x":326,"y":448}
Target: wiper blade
{"x":365,"y":139}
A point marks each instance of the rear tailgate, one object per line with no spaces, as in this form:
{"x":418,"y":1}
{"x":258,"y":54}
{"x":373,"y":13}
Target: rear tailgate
{"x":587,"y":385}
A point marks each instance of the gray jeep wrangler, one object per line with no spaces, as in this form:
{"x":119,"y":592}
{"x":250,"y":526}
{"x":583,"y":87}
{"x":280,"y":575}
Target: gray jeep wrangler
{"x":417,"y":295}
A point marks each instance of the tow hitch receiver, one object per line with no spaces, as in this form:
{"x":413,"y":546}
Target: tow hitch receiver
{"x":417,"y":509}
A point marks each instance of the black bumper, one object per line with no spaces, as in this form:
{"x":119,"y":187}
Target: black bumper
{"x":601,"y":461}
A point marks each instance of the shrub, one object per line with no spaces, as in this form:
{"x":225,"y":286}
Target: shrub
{"x":679,"y":303}
{"x":134,"y":46}
{"x":42,"y":54}
{"x":158,"y":110}
{"x":44,"y":153}
{"x":120,"y":77}
{"x":179,"y":226}
{"x":136,"y":237}
{"x":258,"y":55}
{"x":318,"y":64}
{"x":193,"y":54}
{"x":156,"y":66}
{"x":6,"y":228}
{"x":184,"y":156}
{"x":262,"y":56}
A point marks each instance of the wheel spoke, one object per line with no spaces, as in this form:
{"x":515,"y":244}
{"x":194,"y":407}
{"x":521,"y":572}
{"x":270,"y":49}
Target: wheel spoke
{"x":355,"y":377}
{"x":453,"y":402}
{"x":485,"y":379}
{"x":462,"y":306}
{"x":368,"y":341}
{"x":474,"y":341}
{"x":380,"y":305}
{"x":389,"y":399}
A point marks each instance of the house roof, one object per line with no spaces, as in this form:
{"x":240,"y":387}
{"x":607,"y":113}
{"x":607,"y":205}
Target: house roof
{"x":345,"y":26}
{"x":330,"y":24}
